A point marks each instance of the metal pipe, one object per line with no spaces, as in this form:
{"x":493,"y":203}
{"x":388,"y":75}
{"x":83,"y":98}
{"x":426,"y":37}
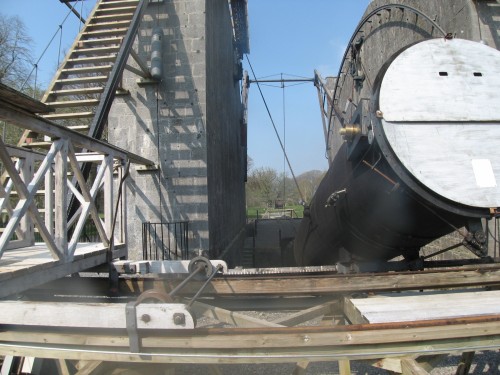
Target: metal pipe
{"x":216,"y":270}
{"x":156,"y":54}
{"x":186,"y":280}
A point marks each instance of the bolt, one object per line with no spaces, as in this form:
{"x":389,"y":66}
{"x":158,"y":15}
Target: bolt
{"x":146,"y":318}
{"x":179,"y":319}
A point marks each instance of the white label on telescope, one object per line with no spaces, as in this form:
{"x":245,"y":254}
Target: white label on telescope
{"x":484,"y":173}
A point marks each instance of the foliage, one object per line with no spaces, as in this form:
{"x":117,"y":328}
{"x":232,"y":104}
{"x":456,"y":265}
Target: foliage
{"x":266,"y":188}
{"x":15,"y":52}
{"x":15,"y":66}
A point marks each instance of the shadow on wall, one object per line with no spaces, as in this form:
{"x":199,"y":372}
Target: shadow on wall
{"x":489,"y":13}
{"x":170,"y":118}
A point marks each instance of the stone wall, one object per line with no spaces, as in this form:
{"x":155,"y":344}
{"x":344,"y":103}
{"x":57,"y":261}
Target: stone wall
{"x":226,"y":151}
{"x":169,"y":123}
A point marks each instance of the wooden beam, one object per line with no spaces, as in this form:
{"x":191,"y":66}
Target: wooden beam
{"x":245,"y":287}
{"x":252,"y":345}
{"x":305,"y":315}
{"x":16,"y":282}
{"x":352,"y":313}
{"x":39,"y":125}
{"x":317,"y":285}
{"x":411,"y":367}
{"x":26,"y":202}
{"x":230,"y":317}
{"x":91,"y":368}
{"x":465,"y":363}
{"x":149,"y":316}
{"x":61,"y":198}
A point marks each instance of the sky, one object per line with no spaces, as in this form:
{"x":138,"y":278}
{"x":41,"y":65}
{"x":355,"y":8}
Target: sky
{"x":287,"y":37}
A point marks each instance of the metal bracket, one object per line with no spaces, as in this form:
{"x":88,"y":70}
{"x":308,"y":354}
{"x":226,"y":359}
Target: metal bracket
{"x":147,"y":168}
{"x":131,"y":320}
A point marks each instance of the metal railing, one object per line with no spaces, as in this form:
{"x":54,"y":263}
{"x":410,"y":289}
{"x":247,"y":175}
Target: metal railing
{"x":165,"y":241}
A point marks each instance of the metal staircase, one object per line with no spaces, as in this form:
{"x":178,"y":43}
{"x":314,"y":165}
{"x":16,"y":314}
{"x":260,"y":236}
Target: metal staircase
{"x":82,"y":91}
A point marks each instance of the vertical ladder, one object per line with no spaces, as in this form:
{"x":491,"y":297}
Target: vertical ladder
{"x":83,"y":88}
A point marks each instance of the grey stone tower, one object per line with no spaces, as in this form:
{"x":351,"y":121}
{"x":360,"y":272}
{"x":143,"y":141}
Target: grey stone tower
{"x":191,"y":123}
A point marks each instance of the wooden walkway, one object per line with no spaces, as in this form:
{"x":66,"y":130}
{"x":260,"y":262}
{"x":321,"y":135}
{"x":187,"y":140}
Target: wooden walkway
{"x":414,"y":306}
{"x":25,"y":268}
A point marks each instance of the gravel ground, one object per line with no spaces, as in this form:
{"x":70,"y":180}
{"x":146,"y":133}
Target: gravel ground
{"x":484,"y":363}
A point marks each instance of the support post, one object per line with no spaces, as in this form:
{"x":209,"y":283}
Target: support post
{"x":61,"y":199}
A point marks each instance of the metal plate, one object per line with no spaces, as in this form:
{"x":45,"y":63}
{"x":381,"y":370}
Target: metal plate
{"x":443,"y":80}
{"x":455,"y":160}
{"x":439,"y":100}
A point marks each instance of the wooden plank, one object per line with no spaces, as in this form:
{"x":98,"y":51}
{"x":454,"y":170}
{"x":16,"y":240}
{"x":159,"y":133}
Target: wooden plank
{"x":399,"y":308}
{"x":305,"y":315}
{"x":92,"y":315}
{"x":230,"y":317}
{"x":34,"y":271}
{"x":15,"y":98}
{"x":344,"y":367}
{"x":277,"y":345}
{"x":90,"y":368}
{"x":87,"y":69}
{"x":82,"y":80}
{"x":78,"y":91}
{"x":101,"y":41}
{"x":46,"y":127}
{"x":352,"y":312}
{"x":62,"y":367}
{"x":95,"y":50}
{"x":69,"y":115}
{"x":294,"y":285}
{"x":99,"y":33}
{"x":92,"y":59}
{"x":411,"y":367}
{"x":107,"y":24}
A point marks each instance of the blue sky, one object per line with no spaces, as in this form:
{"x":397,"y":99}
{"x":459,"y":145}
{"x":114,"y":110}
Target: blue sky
{"x":292,"y":37}
{"x":295,"y":37}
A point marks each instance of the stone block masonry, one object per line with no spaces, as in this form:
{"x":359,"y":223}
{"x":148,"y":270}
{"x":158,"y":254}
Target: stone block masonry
{"x":189,"y":123}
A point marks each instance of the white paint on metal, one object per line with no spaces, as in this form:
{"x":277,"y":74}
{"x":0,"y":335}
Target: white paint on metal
{"x":484,"y":173}
{"x":161,"y":267}
{"x":440,"y":156}
{"x":440,"y":99}
{"x":443,"y":80}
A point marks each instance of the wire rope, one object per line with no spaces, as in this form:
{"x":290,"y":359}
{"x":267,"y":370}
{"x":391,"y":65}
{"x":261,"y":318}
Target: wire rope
{"x":275,"y":129}
{"x":35,"y":65}
{"x":284,"y":143}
